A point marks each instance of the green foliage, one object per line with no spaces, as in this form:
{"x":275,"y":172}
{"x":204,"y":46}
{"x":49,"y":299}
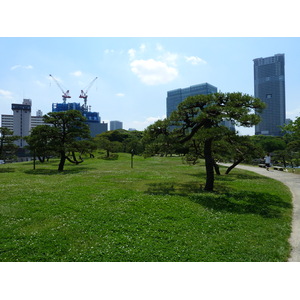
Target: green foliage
{"x":7,"y":147}
{"x":269,"y":143}
{"x":158,"y":139}
{"x":68,"y":128}
{"x":41,"y":142}
{"x":292,"y":138}
{"x":104,"y":143}
{"x":157,"y":212}
{"x":205,"y":113}
{"x":121,"y":140}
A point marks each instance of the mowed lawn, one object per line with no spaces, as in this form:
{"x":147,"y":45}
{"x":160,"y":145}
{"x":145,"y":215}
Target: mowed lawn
{"x":156,"y":211}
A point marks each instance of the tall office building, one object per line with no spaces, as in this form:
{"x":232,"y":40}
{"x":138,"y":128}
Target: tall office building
{"x":37,"y":120}
{"x":93,"y":120}
{"x":21,"y":120}
{"x":174,"y":97}
{"x":114,"y":125}
{"x":269,"y":87}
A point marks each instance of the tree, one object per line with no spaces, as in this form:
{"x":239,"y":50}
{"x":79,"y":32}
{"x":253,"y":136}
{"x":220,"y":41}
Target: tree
{"x":40,"y":142}
{"x":68,"y":130}
{"x":158,"y":139}
{"x":7,"y":147}
{"x":104,"y":143}
{"x":241,"y":148}
{"x":269,"y":143}
{"x":204,"y":112}
{"x":292,"y":138}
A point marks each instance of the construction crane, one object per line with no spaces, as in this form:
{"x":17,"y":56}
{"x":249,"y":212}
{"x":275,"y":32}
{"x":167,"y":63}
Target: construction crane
{"x":65,"y":95}
{"x":84,"y":94}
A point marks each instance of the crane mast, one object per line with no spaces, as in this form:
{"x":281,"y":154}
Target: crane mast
{"x":66,"y":94}
{"x":84,"y":94}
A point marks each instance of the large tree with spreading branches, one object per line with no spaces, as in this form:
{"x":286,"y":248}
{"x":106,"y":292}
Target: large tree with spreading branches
{"x":206,"y":113}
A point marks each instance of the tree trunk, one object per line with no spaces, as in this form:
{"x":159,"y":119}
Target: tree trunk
{"x":234,"y":165}
{"x":209,"y":165}
{"x":217,"y":169}
{"x":62,"y":161}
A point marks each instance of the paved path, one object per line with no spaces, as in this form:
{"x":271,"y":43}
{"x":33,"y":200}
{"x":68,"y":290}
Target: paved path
{"x":292,"y":181}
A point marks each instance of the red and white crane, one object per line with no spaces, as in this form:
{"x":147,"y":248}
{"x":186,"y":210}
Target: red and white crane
{"x":66,"y":94}
{"x":84,"y":95}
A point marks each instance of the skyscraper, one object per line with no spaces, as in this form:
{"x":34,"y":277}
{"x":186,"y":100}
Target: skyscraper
{"x":114,"y":125}
{"x":93,"y":120}
{"x":174,"y":97}
{"x":269,"y":87}
{"x":22,"y":121}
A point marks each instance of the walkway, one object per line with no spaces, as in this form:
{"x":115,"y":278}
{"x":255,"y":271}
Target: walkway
{"x":292,"y":181}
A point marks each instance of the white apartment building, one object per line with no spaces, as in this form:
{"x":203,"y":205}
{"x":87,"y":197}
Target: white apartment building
{"x":21,"y":122}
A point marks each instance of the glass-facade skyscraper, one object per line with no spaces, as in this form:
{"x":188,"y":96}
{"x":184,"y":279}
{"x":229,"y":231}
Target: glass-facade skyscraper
{"x":269,"y":87}
{"x":174,"y":97}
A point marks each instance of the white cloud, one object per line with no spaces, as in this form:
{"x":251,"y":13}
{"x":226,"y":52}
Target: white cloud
{"x":22,"y":67}
{"x":195,"y":60}
{"x":76,"y":73}
{"x":159,"y":47}
{"x":153,"y":72}
{"x":141,"y":125}
{"x":142,"y":47}
{"x":6,"y":94}
{"x":107,"y":51}
{"x":131,"y":53}
{"x":120,"y":95}
{"x":170,"y":58}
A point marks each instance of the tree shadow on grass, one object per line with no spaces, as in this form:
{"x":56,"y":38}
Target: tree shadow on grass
{"x":56,"y":172}
{"x":224,"y":199}
{"x":231,"y":176}
{"x":172,"y":188}
{"x":263,"y":204}
{"x":7,"y":170}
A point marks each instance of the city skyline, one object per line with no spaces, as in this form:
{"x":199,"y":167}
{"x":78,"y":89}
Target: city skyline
{"x":135,"y":74}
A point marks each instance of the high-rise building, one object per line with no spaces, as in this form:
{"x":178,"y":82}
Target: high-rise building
{"x":174,"y":97}
{"x":21,"y":121}
{"x":7,"y":121}
{"x":269,"y":87}
{"x":37,"y":120}
{"x":114,"y":125}
{"x":93,"y":120}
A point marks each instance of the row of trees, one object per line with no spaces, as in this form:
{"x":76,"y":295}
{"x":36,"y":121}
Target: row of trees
{"x":194,"y":131}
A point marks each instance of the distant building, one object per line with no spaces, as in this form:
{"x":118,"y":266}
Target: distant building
{"x":174,"y":97}
{"x":21,"y":121}
{"x":93,"y":118}
{"x":114,"y":125}
{"x":37,"y":120}
{"x":7,"y":121}
{"x":269,"y":87}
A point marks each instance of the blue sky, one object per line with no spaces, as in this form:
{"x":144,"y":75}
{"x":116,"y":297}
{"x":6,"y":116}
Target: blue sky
{"x":135,"y":73}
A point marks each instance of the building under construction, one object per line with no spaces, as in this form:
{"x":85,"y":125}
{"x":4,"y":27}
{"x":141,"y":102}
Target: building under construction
{"x":92,"y":118}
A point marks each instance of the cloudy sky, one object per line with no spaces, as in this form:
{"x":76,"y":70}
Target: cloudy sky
{"x":135,"y":72}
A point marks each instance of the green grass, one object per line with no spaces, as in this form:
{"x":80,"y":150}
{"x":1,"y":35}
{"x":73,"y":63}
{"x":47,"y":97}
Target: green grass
{"x":157,"y":211}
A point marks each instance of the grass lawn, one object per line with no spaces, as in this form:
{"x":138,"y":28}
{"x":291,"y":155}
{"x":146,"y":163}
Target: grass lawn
{"x":106,"y":211}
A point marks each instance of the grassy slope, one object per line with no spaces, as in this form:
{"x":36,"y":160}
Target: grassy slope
{"x":157,"y":211}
